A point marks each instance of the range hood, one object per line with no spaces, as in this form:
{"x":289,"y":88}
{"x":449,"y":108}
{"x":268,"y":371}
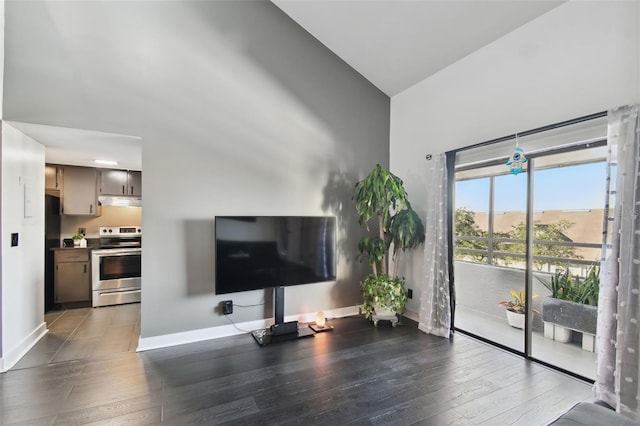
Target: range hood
{"x":109,"y":200}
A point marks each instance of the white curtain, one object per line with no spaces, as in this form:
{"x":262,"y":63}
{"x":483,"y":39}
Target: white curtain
{"x":618,"y":333}
{"x":435,"y":309}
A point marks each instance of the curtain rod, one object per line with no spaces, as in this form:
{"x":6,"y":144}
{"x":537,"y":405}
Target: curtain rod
{"x":533,"y":131}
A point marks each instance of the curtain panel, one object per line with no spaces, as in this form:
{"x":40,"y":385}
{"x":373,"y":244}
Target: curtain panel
{"x":618,"y":333}
{"x":435,"y":307}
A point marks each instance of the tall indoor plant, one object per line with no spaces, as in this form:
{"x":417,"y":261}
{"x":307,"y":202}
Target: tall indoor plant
{"x":381,"y":200}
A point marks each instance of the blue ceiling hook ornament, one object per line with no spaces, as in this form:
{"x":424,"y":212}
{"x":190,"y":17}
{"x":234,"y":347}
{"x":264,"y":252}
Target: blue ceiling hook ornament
{"x":516,"y":161}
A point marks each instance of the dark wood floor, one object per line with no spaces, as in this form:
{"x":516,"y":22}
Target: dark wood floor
{"x":356,"y":374}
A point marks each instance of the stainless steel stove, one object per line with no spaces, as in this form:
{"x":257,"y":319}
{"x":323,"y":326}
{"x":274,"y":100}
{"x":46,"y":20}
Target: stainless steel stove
{"x":116,"y":266}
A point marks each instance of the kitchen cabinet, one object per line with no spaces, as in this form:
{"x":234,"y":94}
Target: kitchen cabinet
{"x":53,"y":177}
{"x":72,"y":282}
{"x":120,"y":182}
{"x":80,"y":191}
{"x":135,"y":183}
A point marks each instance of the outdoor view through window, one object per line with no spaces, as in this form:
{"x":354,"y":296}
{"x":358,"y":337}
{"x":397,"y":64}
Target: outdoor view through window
{"x":568,"y":198}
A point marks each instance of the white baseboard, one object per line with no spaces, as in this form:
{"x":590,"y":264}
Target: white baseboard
{"x":412,"y":315}
{"x":192,"y":336}
{"x":15,"y":354}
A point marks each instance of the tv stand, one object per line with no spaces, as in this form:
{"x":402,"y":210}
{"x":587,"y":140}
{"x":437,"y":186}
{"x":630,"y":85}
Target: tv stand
{"x":264,"y":337}
{"x":280,"y":331}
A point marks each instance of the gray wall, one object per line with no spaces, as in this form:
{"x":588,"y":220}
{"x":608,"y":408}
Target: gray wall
{"x":240,"y":112}
{"x":287,"y":128}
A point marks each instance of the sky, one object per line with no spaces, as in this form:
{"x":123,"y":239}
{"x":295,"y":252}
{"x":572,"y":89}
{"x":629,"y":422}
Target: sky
{"x":565,"y":188}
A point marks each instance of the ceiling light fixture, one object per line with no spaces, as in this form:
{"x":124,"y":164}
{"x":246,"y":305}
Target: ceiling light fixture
{"x":106,"y":162}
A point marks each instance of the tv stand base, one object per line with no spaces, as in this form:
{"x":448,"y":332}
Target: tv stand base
{"x":264,"y":337}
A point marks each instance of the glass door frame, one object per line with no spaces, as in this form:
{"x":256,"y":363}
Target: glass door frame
{"x":528,"y":285}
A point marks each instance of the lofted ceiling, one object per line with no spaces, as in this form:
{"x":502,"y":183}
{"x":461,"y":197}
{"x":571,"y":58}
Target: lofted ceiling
{"x":397,"y":43}
{"x":50,"y":55}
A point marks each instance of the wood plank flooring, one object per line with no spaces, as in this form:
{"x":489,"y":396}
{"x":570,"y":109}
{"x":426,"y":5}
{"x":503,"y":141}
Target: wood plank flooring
{"x":356,"y":374}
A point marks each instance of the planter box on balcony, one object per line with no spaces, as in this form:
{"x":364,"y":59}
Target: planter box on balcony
{"x":572,"y":316}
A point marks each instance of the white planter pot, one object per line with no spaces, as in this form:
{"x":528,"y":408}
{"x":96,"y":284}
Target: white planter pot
{"x":514,"y":319}
{"x":384,"y":311}
{"x":555,"y":332}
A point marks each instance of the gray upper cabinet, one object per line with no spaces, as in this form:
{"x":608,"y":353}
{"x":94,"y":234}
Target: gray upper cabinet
{"x":135,"y":183}
{"x":120,"y":182}
{"x":80,"y":191}
{"x":53,"y":177}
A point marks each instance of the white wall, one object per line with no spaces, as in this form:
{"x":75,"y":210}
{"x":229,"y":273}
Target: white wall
{"x":578,"y":59}
{"x":22,"y":318}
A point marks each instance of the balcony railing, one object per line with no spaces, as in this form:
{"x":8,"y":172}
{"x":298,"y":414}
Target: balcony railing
{"x":490,"y":254}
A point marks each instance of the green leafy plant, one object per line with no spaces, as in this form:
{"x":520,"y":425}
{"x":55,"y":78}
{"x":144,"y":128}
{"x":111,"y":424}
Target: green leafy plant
{"x":381,"y":198}
{"x":77,"y":237}
{"x":406,"y":231}
{"x":517,"y":303}
{"x":565,"y":286}
{"x":384,"y":292}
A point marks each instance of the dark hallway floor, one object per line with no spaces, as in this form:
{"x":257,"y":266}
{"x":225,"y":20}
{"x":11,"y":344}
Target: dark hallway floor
{"x":85,"y":333}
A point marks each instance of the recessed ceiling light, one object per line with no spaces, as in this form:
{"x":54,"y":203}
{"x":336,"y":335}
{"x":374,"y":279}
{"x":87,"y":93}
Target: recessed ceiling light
{"x":106,"y":162}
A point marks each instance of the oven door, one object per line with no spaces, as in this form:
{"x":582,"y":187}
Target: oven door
{"x":116,"y":269}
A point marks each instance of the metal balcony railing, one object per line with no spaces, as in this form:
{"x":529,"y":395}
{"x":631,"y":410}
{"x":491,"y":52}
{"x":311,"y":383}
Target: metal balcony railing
{"x":492,"y":254}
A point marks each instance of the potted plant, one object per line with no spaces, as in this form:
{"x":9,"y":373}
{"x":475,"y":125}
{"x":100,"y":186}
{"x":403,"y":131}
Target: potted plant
{"x":572,"y":305}
{"x":381,"y":198}
{"x":77,"y":240}
{"x":515,"y":308}
{"x":383,"y":296}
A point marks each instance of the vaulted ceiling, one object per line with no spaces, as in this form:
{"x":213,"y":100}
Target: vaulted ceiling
{"x":61,"y":52}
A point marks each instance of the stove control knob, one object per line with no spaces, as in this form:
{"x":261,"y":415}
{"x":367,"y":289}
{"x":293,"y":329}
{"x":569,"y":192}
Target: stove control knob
{"x":110,"y":231}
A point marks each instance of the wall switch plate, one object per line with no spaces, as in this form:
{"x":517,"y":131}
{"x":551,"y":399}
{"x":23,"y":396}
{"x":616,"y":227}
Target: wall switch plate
{"x":14,"y":239}
{"x":227,"y":307}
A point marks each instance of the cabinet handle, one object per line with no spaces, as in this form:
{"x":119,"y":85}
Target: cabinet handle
{"x":85,"y":268}
{"x":122,"y":189}
{"x":131,"y":190}
{"x":90,"y":208}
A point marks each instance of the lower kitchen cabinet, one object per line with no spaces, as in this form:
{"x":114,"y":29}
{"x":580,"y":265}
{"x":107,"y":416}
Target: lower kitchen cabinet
{"x":72,"y":281}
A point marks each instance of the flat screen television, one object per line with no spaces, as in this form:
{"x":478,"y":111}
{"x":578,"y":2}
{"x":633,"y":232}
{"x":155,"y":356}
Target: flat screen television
{"x":257,"y":252}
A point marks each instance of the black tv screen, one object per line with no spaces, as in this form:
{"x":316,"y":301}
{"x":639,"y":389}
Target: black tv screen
{"x":256,"y":252}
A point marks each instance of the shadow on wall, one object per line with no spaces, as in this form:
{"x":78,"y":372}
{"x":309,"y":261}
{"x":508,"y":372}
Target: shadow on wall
{"x":200,"y":256}
{"x":337,"y":200}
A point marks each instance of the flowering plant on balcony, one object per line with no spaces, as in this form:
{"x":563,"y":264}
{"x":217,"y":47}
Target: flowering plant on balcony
{"x":517,"y":303}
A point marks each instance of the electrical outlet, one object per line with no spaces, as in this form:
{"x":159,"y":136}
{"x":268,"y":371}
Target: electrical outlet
{"x":82,"y":231}
{"x":227,"y":307}
{"x":409,"y":293}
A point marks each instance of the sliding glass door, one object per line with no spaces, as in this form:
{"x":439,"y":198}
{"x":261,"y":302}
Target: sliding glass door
{"x":534,"y":238}
{"x":489,"y":261}
{"x":568,"y":203}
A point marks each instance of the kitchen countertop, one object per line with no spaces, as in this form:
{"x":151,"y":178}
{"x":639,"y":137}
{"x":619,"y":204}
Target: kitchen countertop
{"x":75,"y":248}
